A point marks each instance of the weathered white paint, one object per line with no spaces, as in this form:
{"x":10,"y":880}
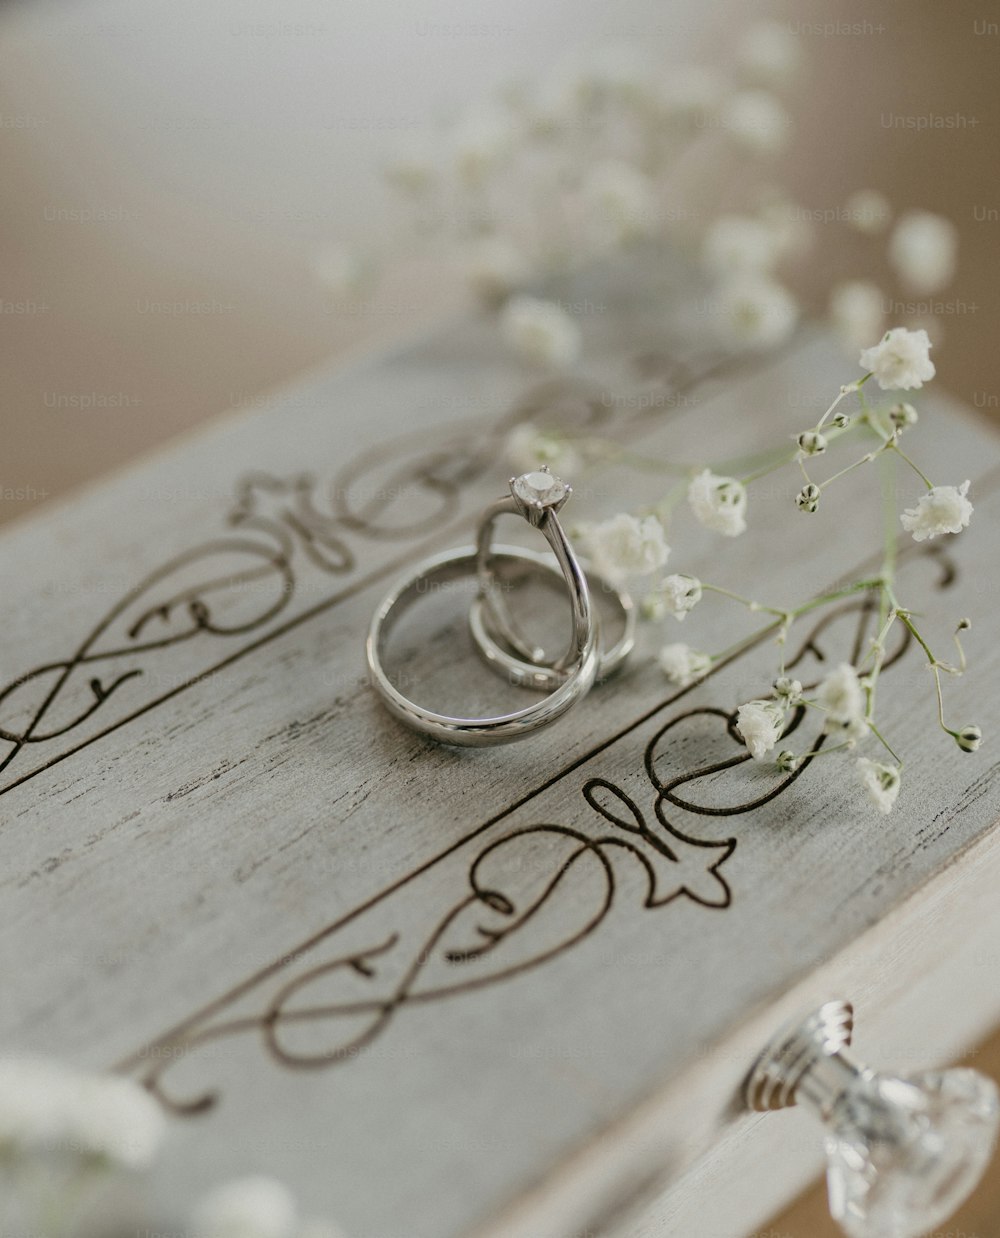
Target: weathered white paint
{"x":173,"y":890}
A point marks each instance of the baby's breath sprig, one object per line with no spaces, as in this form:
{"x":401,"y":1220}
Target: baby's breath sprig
{"x":629,"y":545}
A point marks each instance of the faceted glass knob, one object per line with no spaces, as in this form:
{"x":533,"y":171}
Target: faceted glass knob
{"x":903,"y":1153}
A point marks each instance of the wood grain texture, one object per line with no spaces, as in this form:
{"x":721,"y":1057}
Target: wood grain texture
{"x":922,"y":981}
{"x":274,"y":904}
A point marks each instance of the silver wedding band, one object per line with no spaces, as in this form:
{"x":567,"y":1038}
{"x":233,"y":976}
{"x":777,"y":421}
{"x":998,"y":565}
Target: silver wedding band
{"x":537,"y":497}
{"x":499,"y":638}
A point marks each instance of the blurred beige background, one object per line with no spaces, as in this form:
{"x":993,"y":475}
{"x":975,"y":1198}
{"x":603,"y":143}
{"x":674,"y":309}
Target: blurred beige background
{"x":220,"y":145}
{"x":201,"y":153}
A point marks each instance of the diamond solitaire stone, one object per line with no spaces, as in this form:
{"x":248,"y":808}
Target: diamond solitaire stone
{"x":540,"y":489}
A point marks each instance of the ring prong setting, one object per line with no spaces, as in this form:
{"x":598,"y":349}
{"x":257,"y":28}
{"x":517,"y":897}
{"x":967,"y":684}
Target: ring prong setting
{"x":538,"y":492}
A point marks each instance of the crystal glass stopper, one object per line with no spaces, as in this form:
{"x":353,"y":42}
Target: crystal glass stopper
{"x":903,"y":1152}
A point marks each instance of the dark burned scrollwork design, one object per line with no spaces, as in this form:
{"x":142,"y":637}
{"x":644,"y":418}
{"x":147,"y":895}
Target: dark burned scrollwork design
{"x":349,"y":983}
{"x":247,"y":583}
{"x":239,"y":584}
{"x":530,"y":894}
{"x":482,"y":939}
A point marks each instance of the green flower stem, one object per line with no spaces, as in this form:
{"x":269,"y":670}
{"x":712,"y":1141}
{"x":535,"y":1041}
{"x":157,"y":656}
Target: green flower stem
{"x":824,"y":751}
{"x":936,"y":668}
{"x":733,"y":466}
{"x":894,"y":446}
{"x":844,"y":392}
{"x":887,"y":606}
{"x":859,"y":586}
{"x":786,"y":458}
{"x":890,"y":540}
{"x":745,"y":643}
{"x":882,"y":740}
{"x":962,"y":664}
{"x":749,"y":603}
{"x":789,"y":457}
{"x":866,"y":459}
{"x":907,"y":621}
{"x":784,"y":618}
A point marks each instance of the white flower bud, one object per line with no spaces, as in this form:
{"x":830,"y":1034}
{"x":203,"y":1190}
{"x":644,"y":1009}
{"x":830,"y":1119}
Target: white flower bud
{"x":92,"y":1117}
{"x":257,"y":1207}
{"x":812,"y":443}
{"x":922,"y":251}
{"x":880,"y":781}
{"x":759,"y":724}
{"x":675,"y":595}
{"x":540,"y":331}
{"x":969,"y":738}
{"x":842,"y":696}
{"x":841,"y":421}
{"x":527,"y":447}
{"x":719,"y":503}
{"x":626,"y":546}
{"x":682,"y":665}
{"x":788,"y":691}
{"x":807,"y":499}
{"x":849,"y":732}
{"x":964,"y":625}
{"x":787,"y":761}
{"x":902,"y":415}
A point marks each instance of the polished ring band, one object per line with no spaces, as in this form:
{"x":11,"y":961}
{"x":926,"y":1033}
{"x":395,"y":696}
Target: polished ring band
{"x":518,"y":664}
{"x":497,"y":635}
{"x":504,"y":728}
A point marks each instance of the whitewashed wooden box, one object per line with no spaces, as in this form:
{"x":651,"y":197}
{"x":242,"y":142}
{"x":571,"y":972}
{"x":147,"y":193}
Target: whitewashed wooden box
{"x":228,"y":872}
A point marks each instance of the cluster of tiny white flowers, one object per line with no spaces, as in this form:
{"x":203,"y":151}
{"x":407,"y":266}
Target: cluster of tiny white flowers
{"x":882,"y":782}
{"x":900,"y":361}
{"x":610,"y":186}
{"x":528,"y":447}
{"x":845,"y":696}
{"x":856,"y":312}
{"x":760,"y":724}
{"x":629,"y":545}
{"x":943,"y":509}
{"x":48,"y":1108}
{"x":682,"y":665}
{"x":594,"y":146}
{"x":922,"y":249}
{"x":719,"y":503}
{"x":756,"y":313}
{"x":541,"y":331}
{"x":256,"y":1207}
{"x":60,"y":1125}
{"x":675,"y":595}
{"x":625,"y":546}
